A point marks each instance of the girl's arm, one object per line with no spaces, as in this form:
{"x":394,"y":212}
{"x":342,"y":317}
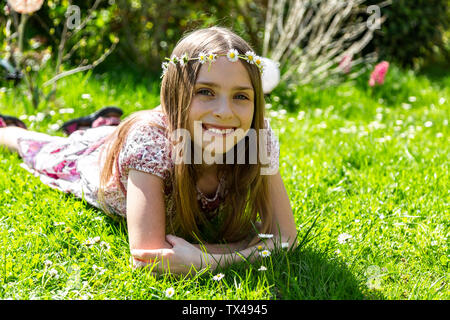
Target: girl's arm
{"x":283,"y":226}
{"x":183,"y":255}
{"x":146,"y":211}
{"x":223,"y":248}
{"x":283,"y":222}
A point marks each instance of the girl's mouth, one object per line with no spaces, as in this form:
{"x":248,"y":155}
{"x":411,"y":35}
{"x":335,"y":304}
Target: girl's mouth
{"x":215,"y":131}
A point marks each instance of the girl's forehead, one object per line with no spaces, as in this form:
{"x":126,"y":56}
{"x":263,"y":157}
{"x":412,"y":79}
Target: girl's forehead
{"x":224,"y":73}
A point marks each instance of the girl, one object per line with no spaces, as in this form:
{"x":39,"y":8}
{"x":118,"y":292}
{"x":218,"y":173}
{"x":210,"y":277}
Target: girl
{"x":189,"y":213}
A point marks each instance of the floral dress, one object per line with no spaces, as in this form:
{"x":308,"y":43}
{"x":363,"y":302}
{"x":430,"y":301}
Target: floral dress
{"x":73,"y":164}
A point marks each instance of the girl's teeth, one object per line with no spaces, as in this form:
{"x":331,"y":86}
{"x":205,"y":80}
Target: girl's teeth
{"x":225,"y":131}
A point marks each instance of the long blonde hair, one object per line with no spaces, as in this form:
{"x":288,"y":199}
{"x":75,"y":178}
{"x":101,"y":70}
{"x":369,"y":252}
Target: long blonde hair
{"x":248,"y":193}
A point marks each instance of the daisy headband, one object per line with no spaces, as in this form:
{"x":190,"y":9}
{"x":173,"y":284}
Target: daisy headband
{"x":232,"y":56}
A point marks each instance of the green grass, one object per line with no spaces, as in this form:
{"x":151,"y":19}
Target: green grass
{"x":369,"y":162}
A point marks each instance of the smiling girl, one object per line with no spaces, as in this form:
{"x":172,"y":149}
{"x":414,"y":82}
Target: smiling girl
{"x":180,"y":214}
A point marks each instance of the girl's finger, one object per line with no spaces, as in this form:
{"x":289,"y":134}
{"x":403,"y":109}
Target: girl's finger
{"x":144,"y":254}
{"x":172,"y":239}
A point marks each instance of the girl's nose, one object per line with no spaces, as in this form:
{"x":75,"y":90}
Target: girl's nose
{"x":223,"y":110}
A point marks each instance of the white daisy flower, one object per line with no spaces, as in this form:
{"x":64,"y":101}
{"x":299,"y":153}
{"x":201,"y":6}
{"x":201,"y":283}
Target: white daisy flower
{"x":53,"y":273}
{"x":218,"y":277}
{"x":202,"y":57}
{"x":170,"y":292}
{"x":233,"y":55}
{"x":250,"y":57}
{"x":259,"y":62}
{"x":343,"y":237}
{"x":91,"y":241}
{"x":285,"y":245}
{"x":265,"y":236}
{"x":48,"y":263}
{"x":105,"y":245}
{"x":264,"y":253}
{"x":262,"y":268}
{"x":174,"y":59}
{"x":99,"y":269}
{"x":211,"y":57}
{"x":184,"y":59}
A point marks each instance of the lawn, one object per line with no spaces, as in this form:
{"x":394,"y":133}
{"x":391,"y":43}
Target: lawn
{"x":366,"y":170}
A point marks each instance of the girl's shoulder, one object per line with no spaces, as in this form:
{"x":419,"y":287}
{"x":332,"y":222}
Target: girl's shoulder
{"x":151,"y":120}
{"x":147,"y":146}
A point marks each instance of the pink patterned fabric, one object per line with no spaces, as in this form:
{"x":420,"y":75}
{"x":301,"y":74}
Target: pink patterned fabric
{"x":73,"y":164}
{"x":2,"y":123}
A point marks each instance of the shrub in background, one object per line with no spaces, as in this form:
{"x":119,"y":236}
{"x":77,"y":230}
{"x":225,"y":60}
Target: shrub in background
{"x":413,"y":32}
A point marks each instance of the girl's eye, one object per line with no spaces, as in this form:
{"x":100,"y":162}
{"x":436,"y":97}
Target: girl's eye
{"x":241,"y":97}
{"x":205,"y":92}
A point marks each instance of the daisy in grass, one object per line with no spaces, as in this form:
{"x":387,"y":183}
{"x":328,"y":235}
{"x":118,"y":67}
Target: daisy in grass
{"x":218,"y":277}
{"x":250,"y":57}
{"x":285,"y":245}
{"x":262,"y":268}
{"x":233,"y":55}
{"x":344,"y":237}
{"x":202,"y":57}
{"x":170,"y":292}
{"x":264,"y":253}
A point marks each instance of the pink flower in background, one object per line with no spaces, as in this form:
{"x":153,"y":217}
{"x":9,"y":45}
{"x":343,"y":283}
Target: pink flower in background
{"x":25,"y":6}
{"x":378,"y":74}
{"x":346,"y":64}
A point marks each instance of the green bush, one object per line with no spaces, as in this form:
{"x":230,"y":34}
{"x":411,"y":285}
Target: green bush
{"x":413,"y":31}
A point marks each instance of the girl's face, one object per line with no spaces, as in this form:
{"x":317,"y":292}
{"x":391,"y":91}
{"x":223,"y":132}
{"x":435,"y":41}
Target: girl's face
{"x":223,"y":98}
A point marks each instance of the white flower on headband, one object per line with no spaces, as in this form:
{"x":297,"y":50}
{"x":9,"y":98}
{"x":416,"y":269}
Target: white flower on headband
{"x":211,"y":57}
{"x":184,"y":59}
{"x":233,"y":55}
{"x":258,"y":61}
{"x":250,"y":57}
{"x":174,"y":59}
{"x":164,"y":65}
{"x":202,"y":57}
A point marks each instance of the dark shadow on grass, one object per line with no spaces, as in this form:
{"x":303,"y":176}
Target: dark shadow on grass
{"x":304,"y":274}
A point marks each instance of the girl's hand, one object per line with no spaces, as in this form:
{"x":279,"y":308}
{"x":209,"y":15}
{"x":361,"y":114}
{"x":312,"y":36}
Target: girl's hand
{"x":180,"y":259}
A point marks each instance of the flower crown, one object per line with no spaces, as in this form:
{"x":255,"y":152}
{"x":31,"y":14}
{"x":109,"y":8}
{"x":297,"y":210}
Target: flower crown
{"x":232,"y":55}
